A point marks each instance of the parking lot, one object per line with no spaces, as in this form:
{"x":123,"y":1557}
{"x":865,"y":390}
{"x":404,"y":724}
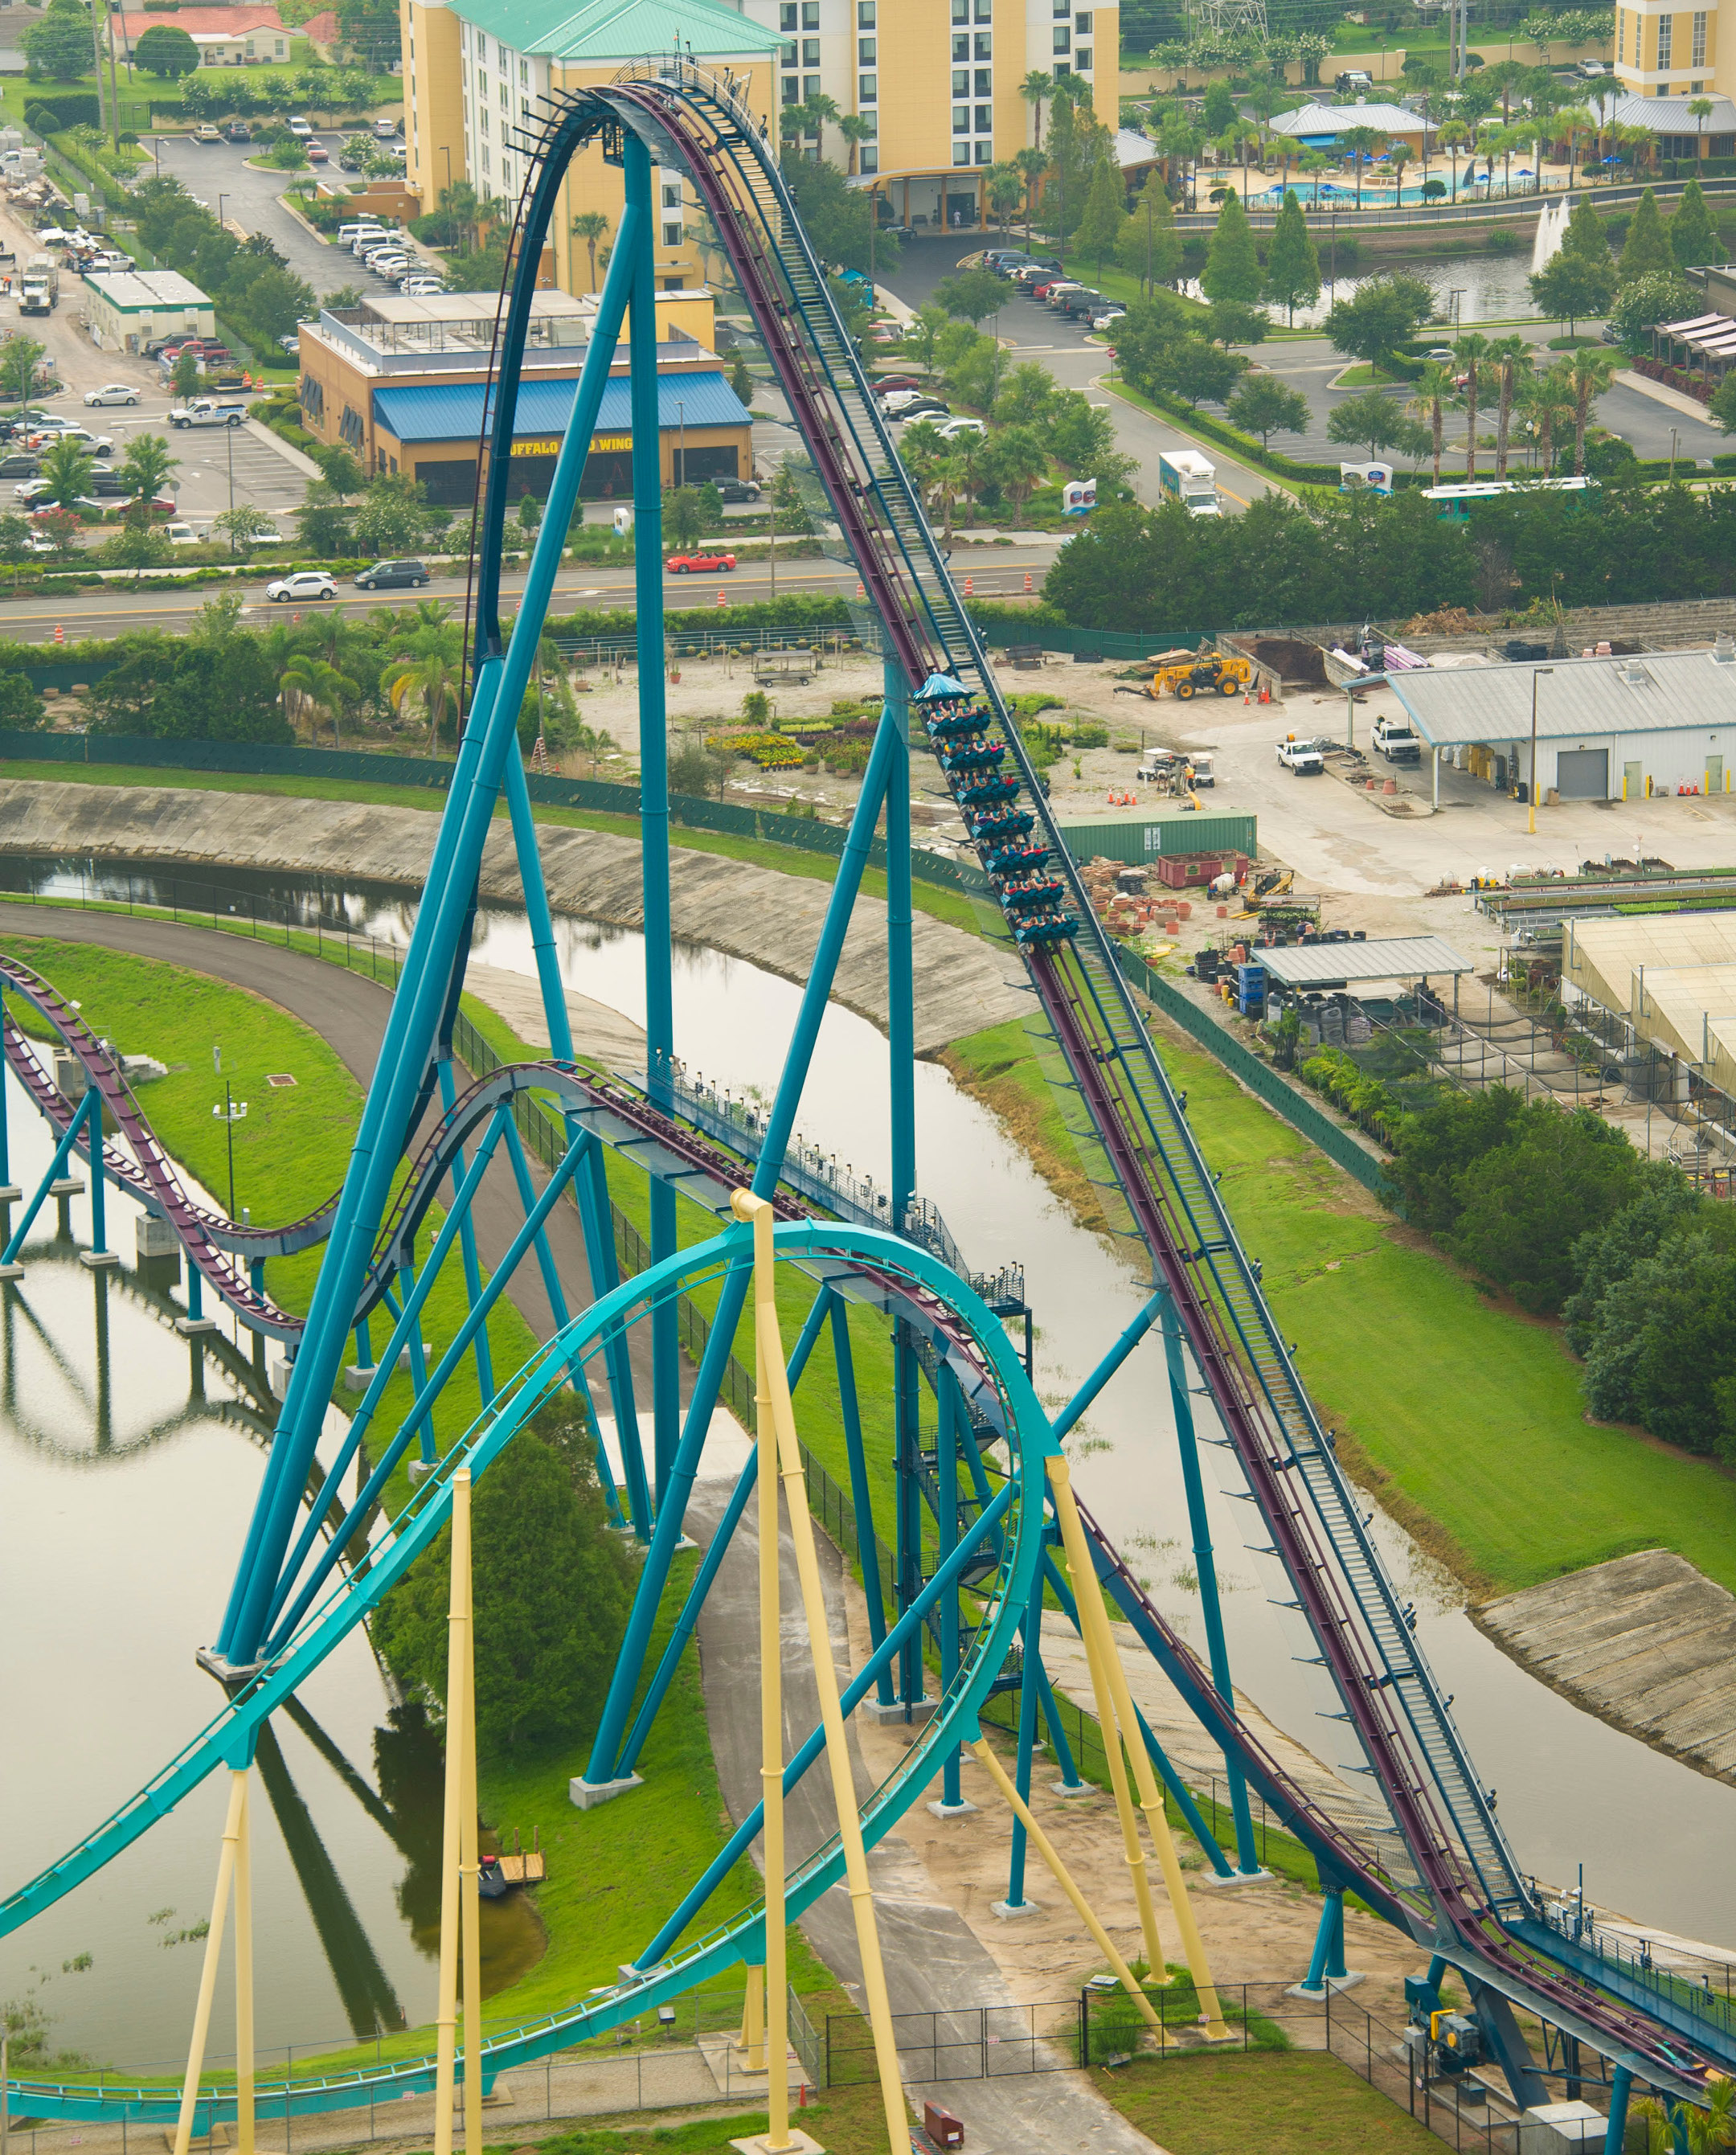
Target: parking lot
{"x":217,"y":467}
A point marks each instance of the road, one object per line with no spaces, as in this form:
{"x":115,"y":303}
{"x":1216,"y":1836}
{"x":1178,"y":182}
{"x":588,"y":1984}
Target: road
{"x":1077,"y":359}
{"x":218,"y":174}
{"x":34,"y":619}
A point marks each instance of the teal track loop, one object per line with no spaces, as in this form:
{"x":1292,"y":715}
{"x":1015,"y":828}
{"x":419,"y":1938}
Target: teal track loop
{"x":868,"y":1266}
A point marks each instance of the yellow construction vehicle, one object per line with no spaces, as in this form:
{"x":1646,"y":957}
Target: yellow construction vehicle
{"x":1189,"y":673}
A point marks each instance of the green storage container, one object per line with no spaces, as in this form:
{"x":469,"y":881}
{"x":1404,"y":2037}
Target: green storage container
{"x":1136,"y":839}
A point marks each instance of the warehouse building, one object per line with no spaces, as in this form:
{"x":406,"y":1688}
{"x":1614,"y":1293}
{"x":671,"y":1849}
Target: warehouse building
{"x":124,"y":310}
{"x":1620,"y":729}
{"x":1660,"y":992}
{"x":401,"y":383}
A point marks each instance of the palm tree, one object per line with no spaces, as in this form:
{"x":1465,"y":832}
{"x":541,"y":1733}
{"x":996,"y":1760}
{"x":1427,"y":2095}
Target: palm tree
{"x":591,"y":226}
{"x":1590,"y":373}
{"x":857,"y":128}
{"x":1471,"y":351}
{"x":1547,"y":400}
{"x":1005,"y":189}
{"x":1436,"y":388}
{"x":461,"y":206}
{"x":67,"y":474}
{"x":1603,"y":95}
{"x":1359,"y":142}
{"x":1511,"y":357}
{"x":1702,"y":109}
{"x":816,"y":110}
{"x":1574,"y":120}
{"x":1037,"y":87}
{"x":321,"y":688}
{"x":1452,"y":138}
{"x":1030,"y":164}
{"x":432,"y":681}
{"x":1399,"y":155}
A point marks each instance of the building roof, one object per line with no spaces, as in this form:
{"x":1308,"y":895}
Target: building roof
{"x":453,"y":411}
{"x":1388,"y":958}
{"x":1307,"y":119}
{"x":1674,"y":975}
{"x":596,"y":33}
{"x":322,"y":29}
{"x":1670,"y":115}
{"x":205,"y":22}
{"x":133,"y":291}
{"x":1663,"y":691}
{"x":1132,"y":148}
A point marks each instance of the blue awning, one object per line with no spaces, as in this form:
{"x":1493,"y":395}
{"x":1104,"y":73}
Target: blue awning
{"x":453,"y":411}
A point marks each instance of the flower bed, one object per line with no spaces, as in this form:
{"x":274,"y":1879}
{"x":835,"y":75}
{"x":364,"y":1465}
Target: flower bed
{"x":771,"y":751}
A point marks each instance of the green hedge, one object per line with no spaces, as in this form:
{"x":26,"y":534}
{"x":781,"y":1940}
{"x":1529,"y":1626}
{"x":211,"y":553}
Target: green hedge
{"x":1687,"y":168}
{"x":71,"y":108}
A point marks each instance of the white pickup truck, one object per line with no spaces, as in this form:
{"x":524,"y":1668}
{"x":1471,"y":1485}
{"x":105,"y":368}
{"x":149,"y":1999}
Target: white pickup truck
{"x":207,"y":412}
{"x":1395,"y":739}
{"x":1304,"y":758}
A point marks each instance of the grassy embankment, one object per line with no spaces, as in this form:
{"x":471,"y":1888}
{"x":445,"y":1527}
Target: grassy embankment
{"x":1464,"y":1415}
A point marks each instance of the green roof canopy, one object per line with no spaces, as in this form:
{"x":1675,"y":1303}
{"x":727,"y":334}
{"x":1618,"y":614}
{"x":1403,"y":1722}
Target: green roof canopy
{"x":601,"y":33}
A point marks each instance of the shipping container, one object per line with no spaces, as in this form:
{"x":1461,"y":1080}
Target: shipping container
{"x":1138,"y":839}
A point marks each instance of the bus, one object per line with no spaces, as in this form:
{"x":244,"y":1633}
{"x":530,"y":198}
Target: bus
{"x":1455,"y":503}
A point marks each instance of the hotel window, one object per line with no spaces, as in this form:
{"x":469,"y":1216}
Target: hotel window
{"x":961,"y":48}
{"x":1666,"y":27}
{"x":985,"y":10}
{"x":868,"y":89}
{"x":671,"y":232}
{"x":672,"y":194}
{"x":1698,"y":59}
{"x":1081,"y":23}
{"x":961,"y":82}
{"x":809,"y":14}
{"x":984,"y":44}
{"x":985,"y":82}
{"x":1064,"y":8}
{"x":505,"y":106}
{"x":985,"y":153}
{"x":482,"y":122}
{"x":793,"y":90}
{"x":984,"y":118}
{"x":868,"y":52}
{"x":869,"y":159}
{"x":960,"y":10}
{"x":1621,"y":38}
{"x":500,"y":54}
{"x":810,"y":85}
{"x":961,"y":120}
{"x":1064,"y":39}
{"x":961,"y":153}
{"x":789,"y":53}
{"x":786,"y":16}
{"x":1082,"y":59}
{"x":865,"y":12}
{"x":525,"y":74}
{"x":506,"y":177}
{"x":810,"y":51}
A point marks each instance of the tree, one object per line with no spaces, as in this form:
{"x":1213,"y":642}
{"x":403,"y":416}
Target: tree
{"x":1141,"y":337}
{"x":1231,"y":321}
{"x":922,"y":337}
{"x":1105,"y":213}
{"x":1385,"y":311}
{"x":1373,"y":421}
{"x":22,"y":709}
{"x":326,"y":524}
{"x":838,"y":218}
{"x":321,"y":687}
{"x":68,"y":473}
{"x":1262,"y":406}
{"x":243,"y":526}
{"x":1037,"y":88}
{"x":1523,"y":1204}
{"x":1197,"y":372}
{"x":19,"y":359}
{"x":1030,"y":163}
{"x":1220,"y":110}
{"x":1547,"y":401}
{"x":1693,"y":236}
{"x":166,"y":51}
{"x":1292,"y":265}
{"x":1571,"y":289}
{"x":1025,"y":395}
{"x":1470,"y":352}
{"x":1360,"y":144}
{"x":1017,"y":462}
{"x":146,"y":466}
{"x":1590,"y":373}
{"x":1647,"y":245}
{"x":859,"y":127}
{"x":61,"y":528}
{"x":1232,"y":261}
{"x":591,"y":227}
{"x":972,"y":296}
{"x":1148,"y":246}
{"x":432,"y":680}
{"x":1511,"y":356}
{"x":15,"y":543}
{"x":1703,"y":109}
{"x":184,"y":376}
{"x":342,"y":471}
{"x":1663,"y":296}
{"x":683,"y":518}
{"x":1452,"y":138}
{"x":1436,"y":387}
{"x":391,"y":517}
{"x":60,"y":45}
{"x":1586,"y":237}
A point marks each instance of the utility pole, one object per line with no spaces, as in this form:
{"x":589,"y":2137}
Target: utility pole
{"x":232,"y":1112}
{"x":1531,"y":781}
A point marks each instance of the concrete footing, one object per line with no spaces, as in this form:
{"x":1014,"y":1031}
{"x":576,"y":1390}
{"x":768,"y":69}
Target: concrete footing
{"x":98,"y":1260}
{"x":195,"y":1328}
{"x":1210,"y":1878}
{"x":585,"y":1795}
{"x":1072,"y":1788}
{"x":154,"y":1238}
{"x":917,"y":1709}
{"x":959,"y":1810}
{"x":68,"y":1185}
{"x":1333,"y":1984}
{"x":1010,"y":1912}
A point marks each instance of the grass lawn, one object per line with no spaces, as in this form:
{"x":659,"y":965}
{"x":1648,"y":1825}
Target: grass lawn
{"x":1465,"y":1416}
{"x":952,"y":907}
{"x":1370,"y":376}
{"x":1290,"y":2102}
{"x":847,"y":2121}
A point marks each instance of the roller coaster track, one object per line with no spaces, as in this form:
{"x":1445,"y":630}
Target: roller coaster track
{"x":1362,"y":1635}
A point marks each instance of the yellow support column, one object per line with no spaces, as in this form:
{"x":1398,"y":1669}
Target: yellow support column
{"x":772,"y":1774}
{"x":446,"y":2012}
{"x":244,"y":1974}
{"x":776,"y":1377}
{"x":752,"y":2044}
{"x":470,"y":1869}
{"x":213,"y":1950}
{"x":1094,"y":1620}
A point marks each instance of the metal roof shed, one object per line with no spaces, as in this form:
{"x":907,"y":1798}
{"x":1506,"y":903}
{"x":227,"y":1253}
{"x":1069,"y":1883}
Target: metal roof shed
{"x":1607,"y":729}
{"x":1338,"y":964}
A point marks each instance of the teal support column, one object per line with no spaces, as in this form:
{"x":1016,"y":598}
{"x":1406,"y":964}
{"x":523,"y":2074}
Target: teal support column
{"x":99,"y":1209}
{"x":653,"y":788}
{"x":907,"y":1555}
{"x":364,"y":1350}
{"x":1326,"y":1964}
{"x":862,"y":1501}
{"x":900,"y":984}
{"x":195,"y":1291}
{"x":418,"y":1362}
{"x":946,"y":1524}
{"x":1030,"y":1669}
{"x":1247,"y":1854}
{"x":56,"y":1167}
{"x":1620,"y":2089}
{"x":7,"y":1189}
{"x":467,"y":1243}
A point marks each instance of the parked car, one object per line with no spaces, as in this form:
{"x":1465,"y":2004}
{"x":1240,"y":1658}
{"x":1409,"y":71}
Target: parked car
{"x":385,"y":130}
{"x":183,"y":535}
{"x":93,"y":445}
{"x":110,"y":483}
{"x":392,"y":575}
{"x":951,"y":429}
{"x":884,"y":384}
{"x":698,"y":564}
{"x":1108,"y":316}
{"x":19,"y":466}
{"x":291,"y":344}
{"x":305,"y":584}
{"x":317,"y":153}
{"x":737,"y":490}
{"x":298,"y":127}
{"x":925,"y":407}
{"x":207,"y":131}
{"x":112,"y":393}
{"x":160,"y":504}
{"x":422,"y":288}
{"x":895,"y":400}
{"x":238,"y":131}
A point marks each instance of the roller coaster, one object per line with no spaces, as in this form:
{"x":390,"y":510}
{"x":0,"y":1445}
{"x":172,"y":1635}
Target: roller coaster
{"x":974,"y":1559}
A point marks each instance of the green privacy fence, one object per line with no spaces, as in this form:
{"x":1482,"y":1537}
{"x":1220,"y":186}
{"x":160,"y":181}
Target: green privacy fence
{"x":1259,"y":1077}
{"x":274,"y":760}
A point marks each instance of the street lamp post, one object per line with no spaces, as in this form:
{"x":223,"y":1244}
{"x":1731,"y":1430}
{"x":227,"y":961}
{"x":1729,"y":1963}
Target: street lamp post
{"x":681,"y":452}
{"x":1531,"y":779}
{"x":232,"y":1112}
{"x":221,"y":200}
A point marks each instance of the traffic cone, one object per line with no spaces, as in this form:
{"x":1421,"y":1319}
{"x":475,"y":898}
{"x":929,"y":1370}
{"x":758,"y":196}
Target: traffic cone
{"x":295,"y":620}
{"x":1246,"y":697}
{"x":721,"y":599}
{"x":59,"y":633}
{"x":860,"y":593}
{"x":1029,"y":585}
